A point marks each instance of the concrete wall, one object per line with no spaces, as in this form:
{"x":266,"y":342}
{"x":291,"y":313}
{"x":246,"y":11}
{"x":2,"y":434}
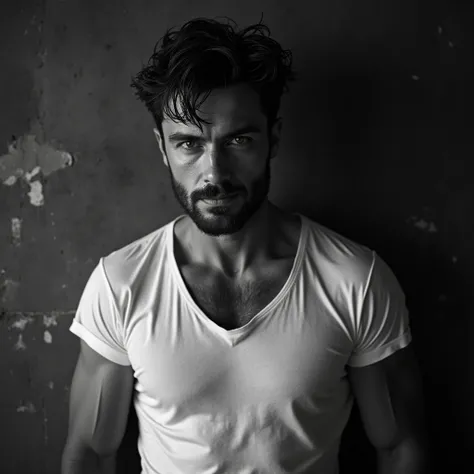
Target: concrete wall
{"x":377,"y":144}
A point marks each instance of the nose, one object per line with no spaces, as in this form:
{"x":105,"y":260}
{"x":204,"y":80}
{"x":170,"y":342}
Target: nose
{"x":217,"y":166}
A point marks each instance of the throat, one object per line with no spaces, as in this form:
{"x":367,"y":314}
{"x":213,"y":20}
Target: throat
{"x":235,"y":256}
{"x":233,"y":300}
{"x":233,"y":303}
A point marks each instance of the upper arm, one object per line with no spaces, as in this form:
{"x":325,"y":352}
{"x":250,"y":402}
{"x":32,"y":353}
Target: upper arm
{"x":99,"y":402}
{"x":389,"y":397}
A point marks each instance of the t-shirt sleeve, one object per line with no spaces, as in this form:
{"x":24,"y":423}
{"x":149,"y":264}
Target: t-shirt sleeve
{"x":97,"y":320}
{"x":382,"y":327}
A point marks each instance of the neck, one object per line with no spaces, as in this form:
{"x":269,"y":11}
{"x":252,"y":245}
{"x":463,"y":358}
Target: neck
{"x":236,"y":254}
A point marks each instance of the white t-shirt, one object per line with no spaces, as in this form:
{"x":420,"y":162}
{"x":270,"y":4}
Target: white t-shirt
{"x":270,"y":397}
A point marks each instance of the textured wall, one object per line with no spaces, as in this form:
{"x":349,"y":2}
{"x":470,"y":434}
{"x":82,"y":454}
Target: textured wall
{"x":377,"y":144}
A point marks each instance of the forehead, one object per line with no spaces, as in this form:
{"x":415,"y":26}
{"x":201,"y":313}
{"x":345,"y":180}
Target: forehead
{"x":225,"y":109}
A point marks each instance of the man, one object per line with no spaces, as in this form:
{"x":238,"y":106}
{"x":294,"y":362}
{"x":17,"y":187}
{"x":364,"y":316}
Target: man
{"x":246,"y":331}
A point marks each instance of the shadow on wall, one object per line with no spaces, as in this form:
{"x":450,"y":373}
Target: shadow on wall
{"x":128,"y":458}
{"x":375,"y":131}
{"x":351,"y":105}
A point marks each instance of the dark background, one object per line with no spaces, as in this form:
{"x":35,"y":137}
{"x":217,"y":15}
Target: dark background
{"x":377,"y":144}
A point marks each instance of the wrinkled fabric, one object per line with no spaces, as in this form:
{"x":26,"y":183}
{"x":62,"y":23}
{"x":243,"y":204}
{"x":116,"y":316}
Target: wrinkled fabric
{"x":270,"y":397}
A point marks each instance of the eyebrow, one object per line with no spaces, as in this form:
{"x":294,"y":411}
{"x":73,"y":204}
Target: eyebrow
{"x":178,"y":136}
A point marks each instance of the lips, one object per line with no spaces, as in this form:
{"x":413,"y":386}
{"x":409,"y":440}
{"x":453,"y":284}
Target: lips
{"x":221,"y":198}
{"x":228,"y":201}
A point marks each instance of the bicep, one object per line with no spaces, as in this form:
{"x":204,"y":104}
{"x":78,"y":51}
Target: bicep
{"x":99,"y":402}
{"x":371,"y":392}
{"x":389,"y":397}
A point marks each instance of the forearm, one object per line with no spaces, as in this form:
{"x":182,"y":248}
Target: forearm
{"x":408,"y":457}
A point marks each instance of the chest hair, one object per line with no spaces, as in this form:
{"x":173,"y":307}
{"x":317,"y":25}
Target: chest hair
{"x":232,"y":305}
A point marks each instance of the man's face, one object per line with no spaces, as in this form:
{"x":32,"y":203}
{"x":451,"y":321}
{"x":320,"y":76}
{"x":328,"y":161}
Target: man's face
{"x":232,"y":155}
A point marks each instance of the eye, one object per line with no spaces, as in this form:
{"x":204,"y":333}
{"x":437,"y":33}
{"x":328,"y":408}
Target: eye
{"x":188,"y":144}
{"x":247,"y":140}
{"x":180,"y":145}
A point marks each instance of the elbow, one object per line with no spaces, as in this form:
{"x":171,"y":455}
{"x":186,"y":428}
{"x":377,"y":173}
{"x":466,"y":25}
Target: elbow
{"x":409,"y":455}
{"x":103,"y":446}
{"x":82,"y":458}
{"x":76,"y":458}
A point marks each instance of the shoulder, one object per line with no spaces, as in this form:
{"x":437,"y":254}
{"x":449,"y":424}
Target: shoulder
{"x":124,"y":264}
{"x":351,"y":267}
{"x":338,"y":260}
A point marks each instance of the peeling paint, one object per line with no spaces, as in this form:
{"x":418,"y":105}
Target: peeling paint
{"x":49,"y":321}
{"x":8,"y":290}
{"x":22,"y":322}
{"x":48,"y":338}
{"x":36,"y":193}
{"x":20,"y":345}
{"x":29,"y":408}
{"x":55,"y":313}
{"x":34,"y":172}
{"x":423,"y":224}
{"x":26,"y":158}
{"x":25,"y":154}
{"x":10,"y":181}
{"x":16,"y":231}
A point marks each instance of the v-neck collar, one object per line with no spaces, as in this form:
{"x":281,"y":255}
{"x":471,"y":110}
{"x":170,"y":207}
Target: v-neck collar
{"x":233,"y":336}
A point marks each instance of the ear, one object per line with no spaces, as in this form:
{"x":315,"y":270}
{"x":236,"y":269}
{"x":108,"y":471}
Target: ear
{"x":275,"y":136}
{"x":161,"y":145}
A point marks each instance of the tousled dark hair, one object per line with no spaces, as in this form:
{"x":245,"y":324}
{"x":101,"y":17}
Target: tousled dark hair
{"x":206,"y":54}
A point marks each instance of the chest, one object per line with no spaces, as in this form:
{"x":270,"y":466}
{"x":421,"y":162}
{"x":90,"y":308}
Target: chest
{"x":234,"y":304}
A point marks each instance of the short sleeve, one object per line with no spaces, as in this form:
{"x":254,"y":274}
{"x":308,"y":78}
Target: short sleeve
{"x":382,"y":327}
{"x":97,"y":320}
